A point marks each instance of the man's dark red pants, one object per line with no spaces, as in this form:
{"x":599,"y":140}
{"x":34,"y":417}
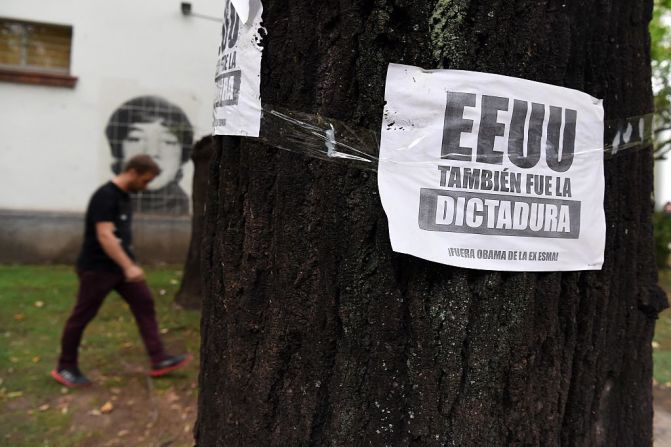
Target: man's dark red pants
{"x":94,"y":286}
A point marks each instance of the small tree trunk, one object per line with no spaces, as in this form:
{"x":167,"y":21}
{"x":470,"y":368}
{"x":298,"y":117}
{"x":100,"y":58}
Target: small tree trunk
{"x":190,"y":294}
{"x":315,"y":333}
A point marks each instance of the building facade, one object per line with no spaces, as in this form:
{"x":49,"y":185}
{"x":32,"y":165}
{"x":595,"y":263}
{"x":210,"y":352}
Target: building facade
{"x":85,"y":84}
{"x":662,"y":183}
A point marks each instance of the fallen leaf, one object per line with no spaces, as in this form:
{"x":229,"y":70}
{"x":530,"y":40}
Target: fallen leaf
{"x":174,"y":281}
{"x":107,"y":407}
{"x":95,"y":412}
{"x":36,"y":359}
{"x":162,"y":292}
{"x":187,"y":428}
{"x":64,"y":410}
{"x":164,"y":330}
{"x":19,"y":317}
{"x":14,"y":394}
{"x":39,"y":304}
{"x":122,"y":433}
{"x":44,"y":407}
{"x":115,"y":390}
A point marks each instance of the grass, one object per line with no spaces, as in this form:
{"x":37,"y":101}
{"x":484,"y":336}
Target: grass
{"x":35,"y":302}
{"x":662,"y":341}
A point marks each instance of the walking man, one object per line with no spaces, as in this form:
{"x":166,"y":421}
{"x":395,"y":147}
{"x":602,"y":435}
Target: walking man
{"x":107,"y":262}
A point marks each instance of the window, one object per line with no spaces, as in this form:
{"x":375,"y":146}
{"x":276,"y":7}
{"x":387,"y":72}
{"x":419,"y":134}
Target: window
{"x":35,"y":53}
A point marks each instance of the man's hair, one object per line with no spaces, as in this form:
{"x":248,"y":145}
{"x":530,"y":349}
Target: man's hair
{"x":147,"y":109}
{"x":142,"y":164}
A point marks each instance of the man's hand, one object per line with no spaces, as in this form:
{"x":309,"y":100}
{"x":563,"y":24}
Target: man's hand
{"x":112,"y":247}
{"x":134,"y":273}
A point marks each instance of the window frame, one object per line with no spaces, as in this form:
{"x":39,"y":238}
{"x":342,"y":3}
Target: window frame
{"x":36,"y":75}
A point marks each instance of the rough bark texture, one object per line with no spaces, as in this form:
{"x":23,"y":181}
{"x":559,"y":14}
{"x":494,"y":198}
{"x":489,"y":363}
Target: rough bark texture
{"x":190,"y":294}
{"x":315,"y":333}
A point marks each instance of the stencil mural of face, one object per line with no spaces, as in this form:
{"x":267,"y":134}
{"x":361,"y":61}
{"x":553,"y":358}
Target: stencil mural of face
{"x":156,"y":140}
{"x":153,"y":126}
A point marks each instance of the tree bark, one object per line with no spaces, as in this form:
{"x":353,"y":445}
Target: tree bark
{"x":315,"y":333}
{"x":190,"y":293}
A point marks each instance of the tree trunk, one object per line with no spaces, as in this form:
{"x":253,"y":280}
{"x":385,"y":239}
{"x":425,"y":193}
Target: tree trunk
{"x":190,"y":294}
{"x":315,"y":333}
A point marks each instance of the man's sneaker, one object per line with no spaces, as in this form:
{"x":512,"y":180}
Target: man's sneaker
{"x":168,"y":364}
{"x":70,"y":377}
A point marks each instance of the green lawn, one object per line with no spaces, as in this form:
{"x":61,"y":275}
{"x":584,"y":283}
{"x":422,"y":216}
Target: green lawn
{"x":662,"y":340}
{"x":35,"y":301}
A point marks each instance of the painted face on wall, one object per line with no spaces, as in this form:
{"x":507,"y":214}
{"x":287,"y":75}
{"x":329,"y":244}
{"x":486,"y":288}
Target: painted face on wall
{"x":153,"y":126}
{"x":157,"y":141}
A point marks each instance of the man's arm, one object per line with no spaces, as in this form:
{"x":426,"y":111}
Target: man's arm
{"x":113,"y":249}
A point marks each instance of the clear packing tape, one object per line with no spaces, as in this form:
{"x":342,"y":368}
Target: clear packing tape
{"x":334,"y":140}
{"x":320,"y":137}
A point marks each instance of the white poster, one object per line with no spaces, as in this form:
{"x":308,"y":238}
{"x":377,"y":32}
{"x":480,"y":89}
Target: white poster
{"x":237,"y":106}
{"x":491,"y":172}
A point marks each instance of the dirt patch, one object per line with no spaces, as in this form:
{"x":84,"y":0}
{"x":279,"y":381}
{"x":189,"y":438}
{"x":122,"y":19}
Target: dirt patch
{"x":662,"y":420}
{"x":141,"y":412}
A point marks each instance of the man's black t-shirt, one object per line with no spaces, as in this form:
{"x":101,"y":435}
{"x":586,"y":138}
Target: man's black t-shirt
{"x":108,"y":204}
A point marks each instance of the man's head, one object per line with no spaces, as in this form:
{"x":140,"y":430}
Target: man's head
{"x":139,"y":171}
{"x":152,"y":126}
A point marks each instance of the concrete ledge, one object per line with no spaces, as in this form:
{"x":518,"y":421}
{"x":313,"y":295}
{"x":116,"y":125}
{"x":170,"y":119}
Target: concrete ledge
{"x":39,"y":237}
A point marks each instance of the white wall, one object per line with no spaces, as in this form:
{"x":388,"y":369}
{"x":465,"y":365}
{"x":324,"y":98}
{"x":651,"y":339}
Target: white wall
{"x":662,"y":183}
{"x":53,"y":151}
